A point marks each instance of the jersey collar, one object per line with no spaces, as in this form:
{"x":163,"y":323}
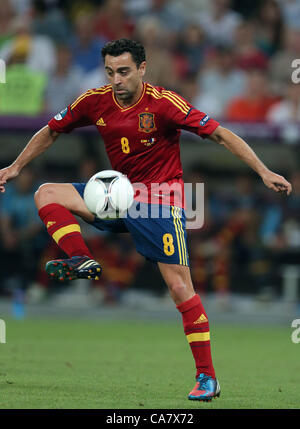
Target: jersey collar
{"x":123,"y":109}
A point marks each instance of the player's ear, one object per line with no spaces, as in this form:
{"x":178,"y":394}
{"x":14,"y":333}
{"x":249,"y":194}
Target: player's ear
{"x":142,"y":69}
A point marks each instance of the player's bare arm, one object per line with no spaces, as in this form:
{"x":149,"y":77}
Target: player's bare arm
{"x":38,"y":144}
{"x":242,"y":150}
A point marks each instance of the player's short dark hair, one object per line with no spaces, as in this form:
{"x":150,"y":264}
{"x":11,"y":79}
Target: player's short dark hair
{"x":118,"y":47}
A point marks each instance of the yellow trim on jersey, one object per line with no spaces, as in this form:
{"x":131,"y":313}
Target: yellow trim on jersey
{"x":124,"y":109}
{"x":65,"y":230}
{"x":177,"y":235}
{"x":101,"y":91}
{"x":90,"y":91}
{"x":80,"y":97}
{"x":171,"y":94}
{"x":151,"y":92}
{"x":87,"y":94}
{"x":177,"y":98}
{"x":170,"y":98}
{"x":151,"y":88}
{"x":185,"y":111}
{"x":104,"y":87}
{"x":198,"y":336}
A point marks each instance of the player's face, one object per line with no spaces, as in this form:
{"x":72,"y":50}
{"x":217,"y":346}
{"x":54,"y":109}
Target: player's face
{"x":125,"y":77}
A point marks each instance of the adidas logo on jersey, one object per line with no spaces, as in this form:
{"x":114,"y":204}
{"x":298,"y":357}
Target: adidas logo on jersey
{"x":101,"y":122}
{"x":200,"y":319}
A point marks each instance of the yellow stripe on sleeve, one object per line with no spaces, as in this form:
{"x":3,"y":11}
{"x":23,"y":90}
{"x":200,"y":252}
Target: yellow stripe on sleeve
{"x":171,"y":98}
{"x":88,"y":93}
{"x":80,"y":97}
{"x":185,"y":111}
{"x":154,"y":90}
{"x":198,"y":336}
{"x":65,"y":230}
{"x":172,"y":94}
{"x":177,"y":98}
{"x":151,"y":92}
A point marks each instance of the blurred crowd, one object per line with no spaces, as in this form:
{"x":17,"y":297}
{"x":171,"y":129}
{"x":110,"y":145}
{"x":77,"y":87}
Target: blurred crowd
{"x":231,"y":59}
{"x":249,"y":235}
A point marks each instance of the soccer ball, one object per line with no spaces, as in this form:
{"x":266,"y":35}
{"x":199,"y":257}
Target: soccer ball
{"x":108,"y":194}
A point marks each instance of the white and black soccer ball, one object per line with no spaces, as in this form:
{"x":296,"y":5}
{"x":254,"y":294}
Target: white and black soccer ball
{"x":108,"y":194}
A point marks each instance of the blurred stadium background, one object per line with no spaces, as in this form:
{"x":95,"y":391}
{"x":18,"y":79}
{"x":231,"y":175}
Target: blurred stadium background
{"x":232,"y":60}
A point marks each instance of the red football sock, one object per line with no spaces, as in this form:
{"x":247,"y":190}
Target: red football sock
{"x":64,"y":229}
{"x":196,"y":329}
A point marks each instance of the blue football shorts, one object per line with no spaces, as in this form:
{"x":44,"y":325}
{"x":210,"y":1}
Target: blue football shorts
{"x":158,"y":233}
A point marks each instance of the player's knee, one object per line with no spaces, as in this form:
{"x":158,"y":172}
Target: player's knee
{"x":45,"y":194}
{"x":178,"y":289}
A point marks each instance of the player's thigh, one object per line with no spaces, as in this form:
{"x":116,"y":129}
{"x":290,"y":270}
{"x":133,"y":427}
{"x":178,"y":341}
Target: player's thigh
{"x":179,"y":281}
{"x":64,"y":194}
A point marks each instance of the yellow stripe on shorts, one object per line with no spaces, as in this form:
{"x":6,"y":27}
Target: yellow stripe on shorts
{"x":177,"y":235}
{"x":64,"y":231}
{"x":180,"y":235}
{"x":184,"y":252}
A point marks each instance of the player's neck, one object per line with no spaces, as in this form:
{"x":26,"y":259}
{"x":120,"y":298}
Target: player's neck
{"x":130,"y":101}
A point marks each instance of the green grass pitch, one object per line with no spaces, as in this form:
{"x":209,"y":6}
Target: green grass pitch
{"x":69,"y":364}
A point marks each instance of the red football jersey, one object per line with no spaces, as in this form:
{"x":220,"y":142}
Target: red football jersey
{"x":142,"y":141}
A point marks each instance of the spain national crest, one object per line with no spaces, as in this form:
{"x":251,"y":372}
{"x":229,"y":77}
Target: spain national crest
{"x":146,"y":122}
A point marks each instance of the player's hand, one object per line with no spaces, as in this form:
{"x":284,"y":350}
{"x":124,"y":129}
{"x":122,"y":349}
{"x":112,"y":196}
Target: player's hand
{"x":276,"y":182}
{"x":7,"y":174}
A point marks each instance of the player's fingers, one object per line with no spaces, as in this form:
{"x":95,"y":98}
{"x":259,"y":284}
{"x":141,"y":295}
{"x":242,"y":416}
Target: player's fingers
{"x":289,"y":189}
{"x":284,"y":187}
{"x":273,"y":186}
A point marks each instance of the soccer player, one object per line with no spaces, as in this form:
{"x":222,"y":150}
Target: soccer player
{"x":140,"y":126}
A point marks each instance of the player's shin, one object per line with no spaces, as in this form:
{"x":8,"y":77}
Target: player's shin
{"x":196,"y":329}
{"x":64,"y":229}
